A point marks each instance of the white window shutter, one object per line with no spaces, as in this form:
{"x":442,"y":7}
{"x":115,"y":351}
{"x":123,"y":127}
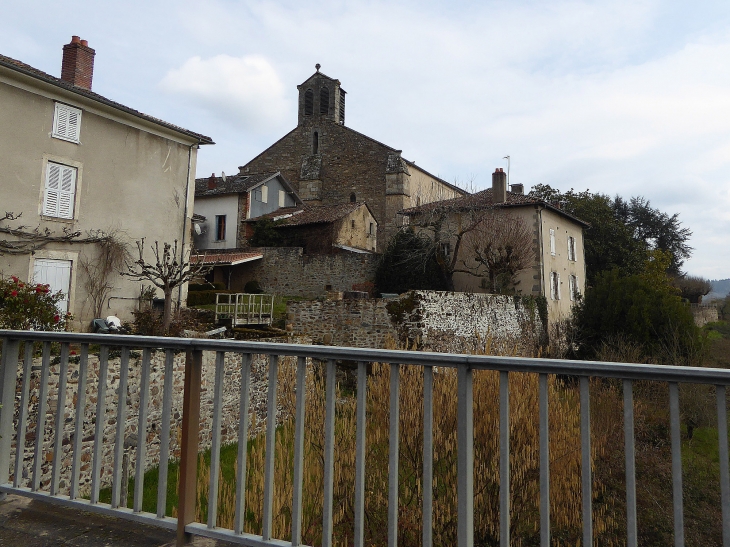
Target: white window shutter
{"x":282,"y":198}
{"x":67,"y":123}
{"x":552,"y":242}
{"x":557,"y":285}
{"x":60,"y":191}
{"x":572,"y":287}
{"x":265,"y":194}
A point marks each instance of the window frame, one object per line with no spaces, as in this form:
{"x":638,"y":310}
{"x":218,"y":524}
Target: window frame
{"x":554,"y":285}
{"x":571,"y":248}
{"x":220,"y":226}
{"x":573,"y":279}
{"x":71,"y":110}
{"x":552,"y":242}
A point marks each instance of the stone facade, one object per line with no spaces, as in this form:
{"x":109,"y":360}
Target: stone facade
{"x":435,"y":321}
{"x":704,"y":314}
{"x":287,"y":270}
{"x":230,"y":414}
{"x":327,"y":162}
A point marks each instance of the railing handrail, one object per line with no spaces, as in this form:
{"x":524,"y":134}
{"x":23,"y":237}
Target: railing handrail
{"x":632,"y":371}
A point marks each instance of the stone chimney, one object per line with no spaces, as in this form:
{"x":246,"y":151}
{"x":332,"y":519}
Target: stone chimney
{"x":499,"y":186}
{"x":77,"y":67}
{"x":211,"y":182}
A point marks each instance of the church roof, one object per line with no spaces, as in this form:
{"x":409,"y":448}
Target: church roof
{"x":311,"y":214}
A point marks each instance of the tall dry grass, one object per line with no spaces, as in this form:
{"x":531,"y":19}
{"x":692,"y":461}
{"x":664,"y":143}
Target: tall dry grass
{"x":565,"y":496}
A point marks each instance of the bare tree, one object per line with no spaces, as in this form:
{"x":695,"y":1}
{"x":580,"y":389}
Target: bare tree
{"x":497,"y":249}
{"x":477,"y":239}
{"x":169,"y":270}
{"x":100,"y":269}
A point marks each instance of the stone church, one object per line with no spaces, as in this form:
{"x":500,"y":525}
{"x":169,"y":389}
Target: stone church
{"x":328,"y":163}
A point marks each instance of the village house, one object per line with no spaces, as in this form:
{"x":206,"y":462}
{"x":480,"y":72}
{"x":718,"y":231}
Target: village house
{"x":222,"y":204}
{"x":556,"y":268}
{"x":329,"y":163}
{"x":77,"y":162}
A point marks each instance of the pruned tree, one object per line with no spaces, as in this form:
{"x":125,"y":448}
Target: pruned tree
{"x":100,"y":269}
{"x":497,"y":249}
{"x":170,"y":269}
{"x":693,"y":288}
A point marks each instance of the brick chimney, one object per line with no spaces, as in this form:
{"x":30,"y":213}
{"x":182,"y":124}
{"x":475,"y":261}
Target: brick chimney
{"x":77,"y":67}
{"x":211,"y":182}
{"x":499,"y":186}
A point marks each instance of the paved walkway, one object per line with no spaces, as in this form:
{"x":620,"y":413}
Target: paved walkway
{"x":30,"y":523}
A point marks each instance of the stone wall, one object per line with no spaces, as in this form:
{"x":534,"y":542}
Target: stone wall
{"x":230,"y":411}
{"x":287,"y":270}
{"x":704,"y":314}
{"x":435,"y":321}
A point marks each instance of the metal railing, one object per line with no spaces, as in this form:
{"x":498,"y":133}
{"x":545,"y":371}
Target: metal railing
{"x":244,"y":308}
{"x":15,"y":380}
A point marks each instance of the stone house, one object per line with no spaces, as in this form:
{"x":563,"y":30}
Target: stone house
{"x":329,"y":163}
{"x":77,"y":162}
{"x":557,"y":265}
{"x":223,"y":203}
{"x":325,"y":229}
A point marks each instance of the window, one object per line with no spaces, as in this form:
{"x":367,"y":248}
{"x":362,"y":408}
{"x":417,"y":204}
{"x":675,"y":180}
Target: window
{"x":315,"y":143}
{"x":308,"y":102}
{"x":60,"y":191}
{"x":220,"y":227}
{"x":552,"y":242}
{"x":352,"y":225}
{"x":555,"y":285}
{"x":66,"y":123}
{"x":264,"y":194}
{"x":324,"y":100}
{"x":372,"y":228}
{"x":282,"y":198}
{"x":446,"y":249}
{"x":342,"y":107}
{"x":353,"y":198}
{"x":571,"y":248}
{"x":573,"y":287}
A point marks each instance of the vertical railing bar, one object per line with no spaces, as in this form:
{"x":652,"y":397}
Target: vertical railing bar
{"x":242,"y":443}
{"x":119,"y":437}
{"x":393,"y":448}
{"x":270,"y":445}
{"x":215,"y":447}
{"x":427,"y":456}
{"x":361,"y":428}
{"x":720,"y":392}
{"x":79,"y":422}
{"x":165,"y":434}
{"x":677,"y":502}
{"x":586,"y":475}
{"x":544,"y":463}
{"x":296,"y":517}
{"x":98,"y":444}
{"x":465,"y":457}
{"x":631,"y":530}
{"x":23,"y":414}
{"x":144,"y":394}
{"x":60,"y":420}
{"x":504,"y":479}
{"x":8,"y":380}
{"x":329,"y":453}
{"x":40,"y":427}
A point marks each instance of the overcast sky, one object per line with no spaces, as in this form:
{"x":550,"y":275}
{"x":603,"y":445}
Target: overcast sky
{"x":629,"y":98}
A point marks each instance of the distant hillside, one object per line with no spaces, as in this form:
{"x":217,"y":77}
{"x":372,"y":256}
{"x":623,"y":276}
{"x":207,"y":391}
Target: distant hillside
{"x":720,"y":289}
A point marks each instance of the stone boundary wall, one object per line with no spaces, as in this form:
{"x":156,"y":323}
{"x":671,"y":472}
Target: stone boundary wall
{"x":287,"y":270}
{"x":434,"y":320}
{"x":230,"y":411}
{"x":705,"y":314}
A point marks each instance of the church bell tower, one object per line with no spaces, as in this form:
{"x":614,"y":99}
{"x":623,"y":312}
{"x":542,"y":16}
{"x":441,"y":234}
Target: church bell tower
{"x":321,"y":98}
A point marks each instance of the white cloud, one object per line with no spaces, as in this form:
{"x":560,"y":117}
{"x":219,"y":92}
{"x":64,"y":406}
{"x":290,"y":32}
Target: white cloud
{"x":244,"y":91}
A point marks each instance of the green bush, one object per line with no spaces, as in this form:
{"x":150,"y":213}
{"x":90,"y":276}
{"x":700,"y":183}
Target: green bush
{"x":253,"y":287}
{"x":25,"y":306}
{"x":216,"y":285}
{"x":643,"y":310}
{"x":409,"y":263}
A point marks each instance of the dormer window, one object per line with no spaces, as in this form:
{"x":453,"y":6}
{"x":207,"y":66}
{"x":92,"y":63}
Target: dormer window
{"x":66,"y":123}
{"x":324,"y":100}
{"x":308,"y":102}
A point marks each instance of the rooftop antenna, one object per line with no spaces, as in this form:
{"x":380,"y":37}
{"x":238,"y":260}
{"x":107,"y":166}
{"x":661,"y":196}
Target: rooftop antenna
{"x":508,"y":162}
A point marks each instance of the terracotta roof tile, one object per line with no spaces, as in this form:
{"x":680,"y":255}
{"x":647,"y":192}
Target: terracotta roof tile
{"x":311,"y":214}
{"x":485,"y":199}
{"x":234,"y":184}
